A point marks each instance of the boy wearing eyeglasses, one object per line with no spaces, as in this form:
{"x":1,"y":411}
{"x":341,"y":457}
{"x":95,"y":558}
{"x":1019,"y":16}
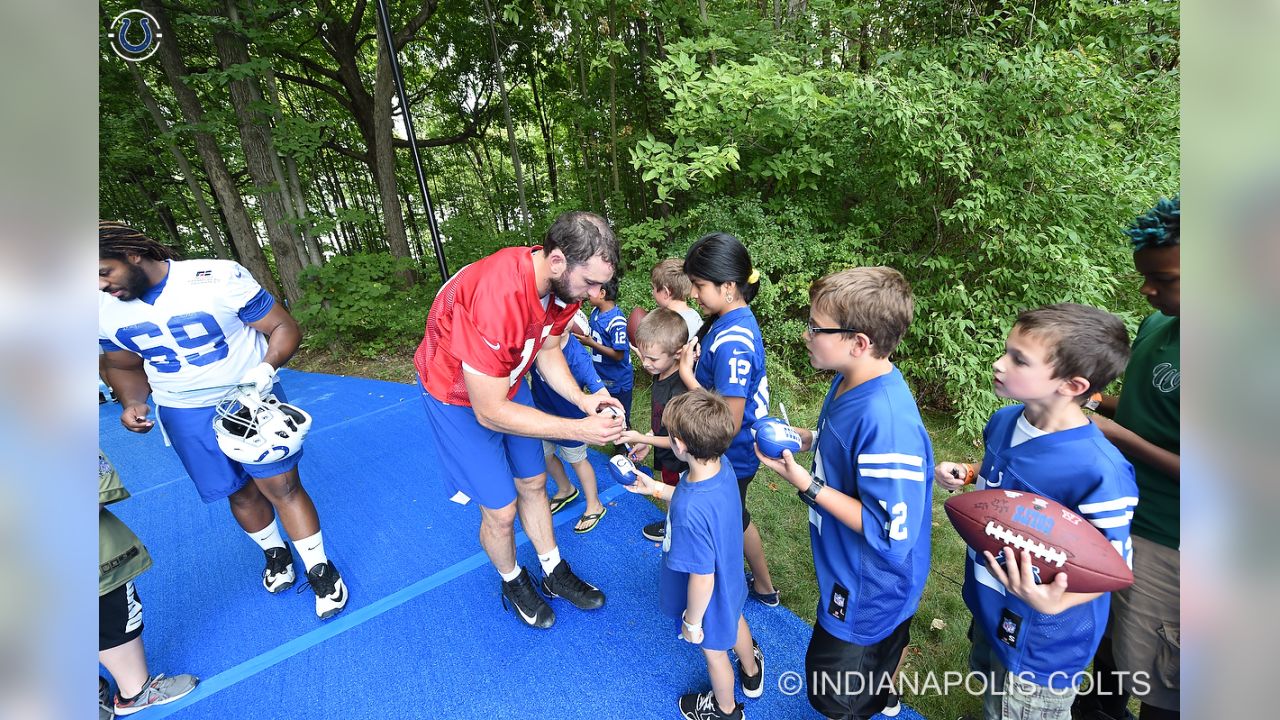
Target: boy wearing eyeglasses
{"x":869,"y":493}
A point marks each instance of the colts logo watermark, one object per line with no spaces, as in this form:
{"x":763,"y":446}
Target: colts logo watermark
{"x":135,"y":35}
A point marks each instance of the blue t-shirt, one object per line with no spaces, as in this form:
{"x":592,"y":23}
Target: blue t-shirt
{"x":609,"y":328}
{"x":1082,"y":470}
{"x":704,"y":535}
{"x":872,"y":445}
{"x":584,"y":372}
{"x":732,"y":364}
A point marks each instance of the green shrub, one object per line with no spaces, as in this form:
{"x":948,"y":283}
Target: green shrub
{"x":364,"y":305}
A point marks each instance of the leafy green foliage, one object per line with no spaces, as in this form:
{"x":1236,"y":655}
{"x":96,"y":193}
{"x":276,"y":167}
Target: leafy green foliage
{"x":362,"y":304}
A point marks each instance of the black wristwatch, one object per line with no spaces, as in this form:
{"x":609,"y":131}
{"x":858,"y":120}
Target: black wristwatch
{"x":810,"y":496}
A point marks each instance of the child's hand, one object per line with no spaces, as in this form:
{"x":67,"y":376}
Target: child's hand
{"x":639,"y":453}
{"x":787,"y":468}
{"x":631,"y":437}
{"x":689,"y":354}
{"x":950,"y":475}
{"x":691,"y":634}
{"x":1018,"y":579}
{"x":644,"y":485}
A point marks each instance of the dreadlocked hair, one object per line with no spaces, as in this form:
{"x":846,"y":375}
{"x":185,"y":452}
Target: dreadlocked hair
{"x":117,"y":241}
{"x":1158,"y":227}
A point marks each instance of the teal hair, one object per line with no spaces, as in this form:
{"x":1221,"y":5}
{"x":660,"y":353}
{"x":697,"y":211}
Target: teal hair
{"x":1158,"y":227}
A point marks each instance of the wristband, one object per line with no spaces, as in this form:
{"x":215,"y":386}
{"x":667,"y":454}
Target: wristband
{"x":688,"y":625}
{"x":970,"y":473}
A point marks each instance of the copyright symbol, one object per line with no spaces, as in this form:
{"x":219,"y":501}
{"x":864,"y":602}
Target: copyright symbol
{"x":790,"y":683}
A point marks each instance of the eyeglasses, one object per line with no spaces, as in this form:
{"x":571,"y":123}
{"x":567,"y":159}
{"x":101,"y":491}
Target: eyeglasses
{"x":831,"y":330}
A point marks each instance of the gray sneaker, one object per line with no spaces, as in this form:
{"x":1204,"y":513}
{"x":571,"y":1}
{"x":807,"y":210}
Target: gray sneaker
{"x":105,"y":709}
{"x":158,"y":691}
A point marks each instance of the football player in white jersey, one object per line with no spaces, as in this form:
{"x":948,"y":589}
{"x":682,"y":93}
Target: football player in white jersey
{"x":183,"y":332}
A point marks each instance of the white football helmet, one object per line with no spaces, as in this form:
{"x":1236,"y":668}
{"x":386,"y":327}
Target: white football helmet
{"x":257,"y":431}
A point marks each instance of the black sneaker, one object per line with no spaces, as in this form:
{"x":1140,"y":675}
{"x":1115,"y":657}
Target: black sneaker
{"x":331,"y":592}
{"x":703,"y":706}
{"x":894,"y":707}
{"x":527,"y":603}
{"x":278,"y":575}
{"x":656,"y":532}
{"x":753,"y":685}
{"x":563,"y":583}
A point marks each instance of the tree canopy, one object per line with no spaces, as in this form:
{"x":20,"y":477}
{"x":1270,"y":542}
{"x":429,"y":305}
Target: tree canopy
{"x":993,"y":151}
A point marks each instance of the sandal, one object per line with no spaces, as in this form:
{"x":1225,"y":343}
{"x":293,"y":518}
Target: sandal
{"x":557,"y":504}
{"x":592,"y":519}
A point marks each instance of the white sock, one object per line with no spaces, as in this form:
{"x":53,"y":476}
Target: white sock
{"x":550,"y":560}
{"x":311,"y":550}
{"x":509,"y":576}
{"x":268,"y":537}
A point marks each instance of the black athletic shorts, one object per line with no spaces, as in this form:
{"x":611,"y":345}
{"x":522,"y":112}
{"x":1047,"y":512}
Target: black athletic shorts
{"x":742,"y":492}
{"x":119,"y":616}
{"x":849,"y":681}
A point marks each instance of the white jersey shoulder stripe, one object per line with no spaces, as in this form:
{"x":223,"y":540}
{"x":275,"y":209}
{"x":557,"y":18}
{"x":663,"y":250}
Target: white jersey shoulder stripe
{"x":892,"y":474}
{"x":746,"y":340}
{"x":890,"y":458}
{"x":1112,"y":522}
{"x":1108,"y":505}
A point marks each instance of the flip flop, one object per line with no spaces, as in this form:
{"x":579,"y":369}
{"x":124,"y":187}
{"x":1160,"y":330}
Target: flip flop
{"x":593,"y":520}
{"x":557,"y":504}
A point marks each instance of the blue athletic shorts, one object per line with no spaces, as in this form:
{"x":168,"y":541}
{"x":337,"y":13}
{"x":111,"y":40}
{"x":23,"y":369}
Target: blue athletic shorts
{"x":478,"y":463}
{"x":216,"y":476}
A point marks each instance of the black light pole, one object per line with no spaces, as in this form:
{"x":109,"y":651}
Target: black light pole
{"x":384,"y":22}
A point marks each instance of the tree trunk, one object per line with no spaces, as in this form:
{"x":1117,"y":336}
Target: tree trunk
{"x":230,"y":203}
{"x":255,"y":136}
{"x":385,"y":154}
{"x":548,"y":144}
{"x":216,"y":241}
{"x":613,"y":106}
{"x":506,"y":114}
{"x":706,"y":27}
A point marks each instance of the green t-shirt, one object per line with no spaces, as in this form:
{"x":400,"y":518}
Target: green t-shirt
{"x":121,"y":555}
{"x":1148,"y":406}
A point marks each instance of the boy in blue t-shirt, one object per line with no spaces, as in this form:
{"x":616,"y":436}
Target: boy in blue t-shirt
{"x":608,"y":344}
{"x":869,"y":494}
{"x":701,"y":579}
{"x":1033,"y":641}
{"x":574,"y":452}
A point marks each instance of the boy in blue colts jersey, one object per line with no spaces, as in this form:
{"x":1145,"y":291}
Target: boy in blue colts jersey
{"x":869,"y":494}
{"x":1033,"y":641}
{"x":608,"y":344}
{"x":701,"y":580}
{"x":574,"y":452}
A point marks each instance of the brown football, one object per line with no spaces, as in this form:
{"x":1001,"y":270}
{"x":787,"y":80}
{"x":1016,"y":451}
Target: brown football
{"x":633,"y":322}
{"x":1058,"y":539}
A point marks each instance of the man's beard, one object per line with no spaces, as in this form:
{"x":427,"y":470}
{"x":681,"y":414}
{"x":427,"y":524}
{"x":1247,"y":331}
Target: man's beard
{"x":561,"y":290}
{"x":136,"y":284}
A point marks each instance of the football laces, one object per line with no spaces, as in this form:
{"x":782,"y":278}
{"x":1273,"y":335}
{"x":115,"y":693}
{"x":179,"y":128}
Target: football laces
{"x":1047,"y":553}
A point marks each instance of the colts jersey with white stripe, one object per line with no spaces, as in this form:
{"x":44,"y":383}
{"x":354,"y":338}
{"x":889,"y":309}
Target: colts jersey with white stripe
{"x":194,"y":333}
{"x":873,"y":446}
{"x":732,"y":364}
{"x":1082,"y":470}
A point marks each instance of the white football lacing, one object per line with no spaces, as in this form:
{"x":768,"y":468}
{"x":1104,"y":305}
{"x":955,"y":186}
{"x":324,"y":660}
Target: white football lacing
{"x":1051,"y":555}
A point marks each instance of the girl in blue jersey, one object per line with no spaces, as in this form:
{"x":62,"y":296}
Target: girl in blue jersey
{"x":728,"y":357}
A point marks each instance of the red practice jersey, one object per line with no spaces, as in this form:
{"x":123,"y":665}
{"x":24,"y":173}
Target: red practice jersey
{"x":487,"y":319}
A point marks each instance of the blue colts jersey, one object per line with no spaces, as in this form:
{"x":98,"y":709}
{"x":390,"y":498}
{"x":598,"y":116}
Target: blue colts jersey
{"x":873,"y":446}
{"x":732,"y":364}
{"x":1082,"y":470}
{"x":610,"y":329}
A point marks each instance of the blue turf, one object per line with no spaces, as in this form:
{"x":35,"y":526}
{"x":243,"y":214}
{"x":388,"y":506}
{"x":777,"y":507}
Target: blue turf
{"x":425,"y":634}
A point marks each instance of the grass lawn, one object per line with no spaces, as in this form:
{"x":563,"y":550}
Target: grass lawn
{"x":938,"y":633}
